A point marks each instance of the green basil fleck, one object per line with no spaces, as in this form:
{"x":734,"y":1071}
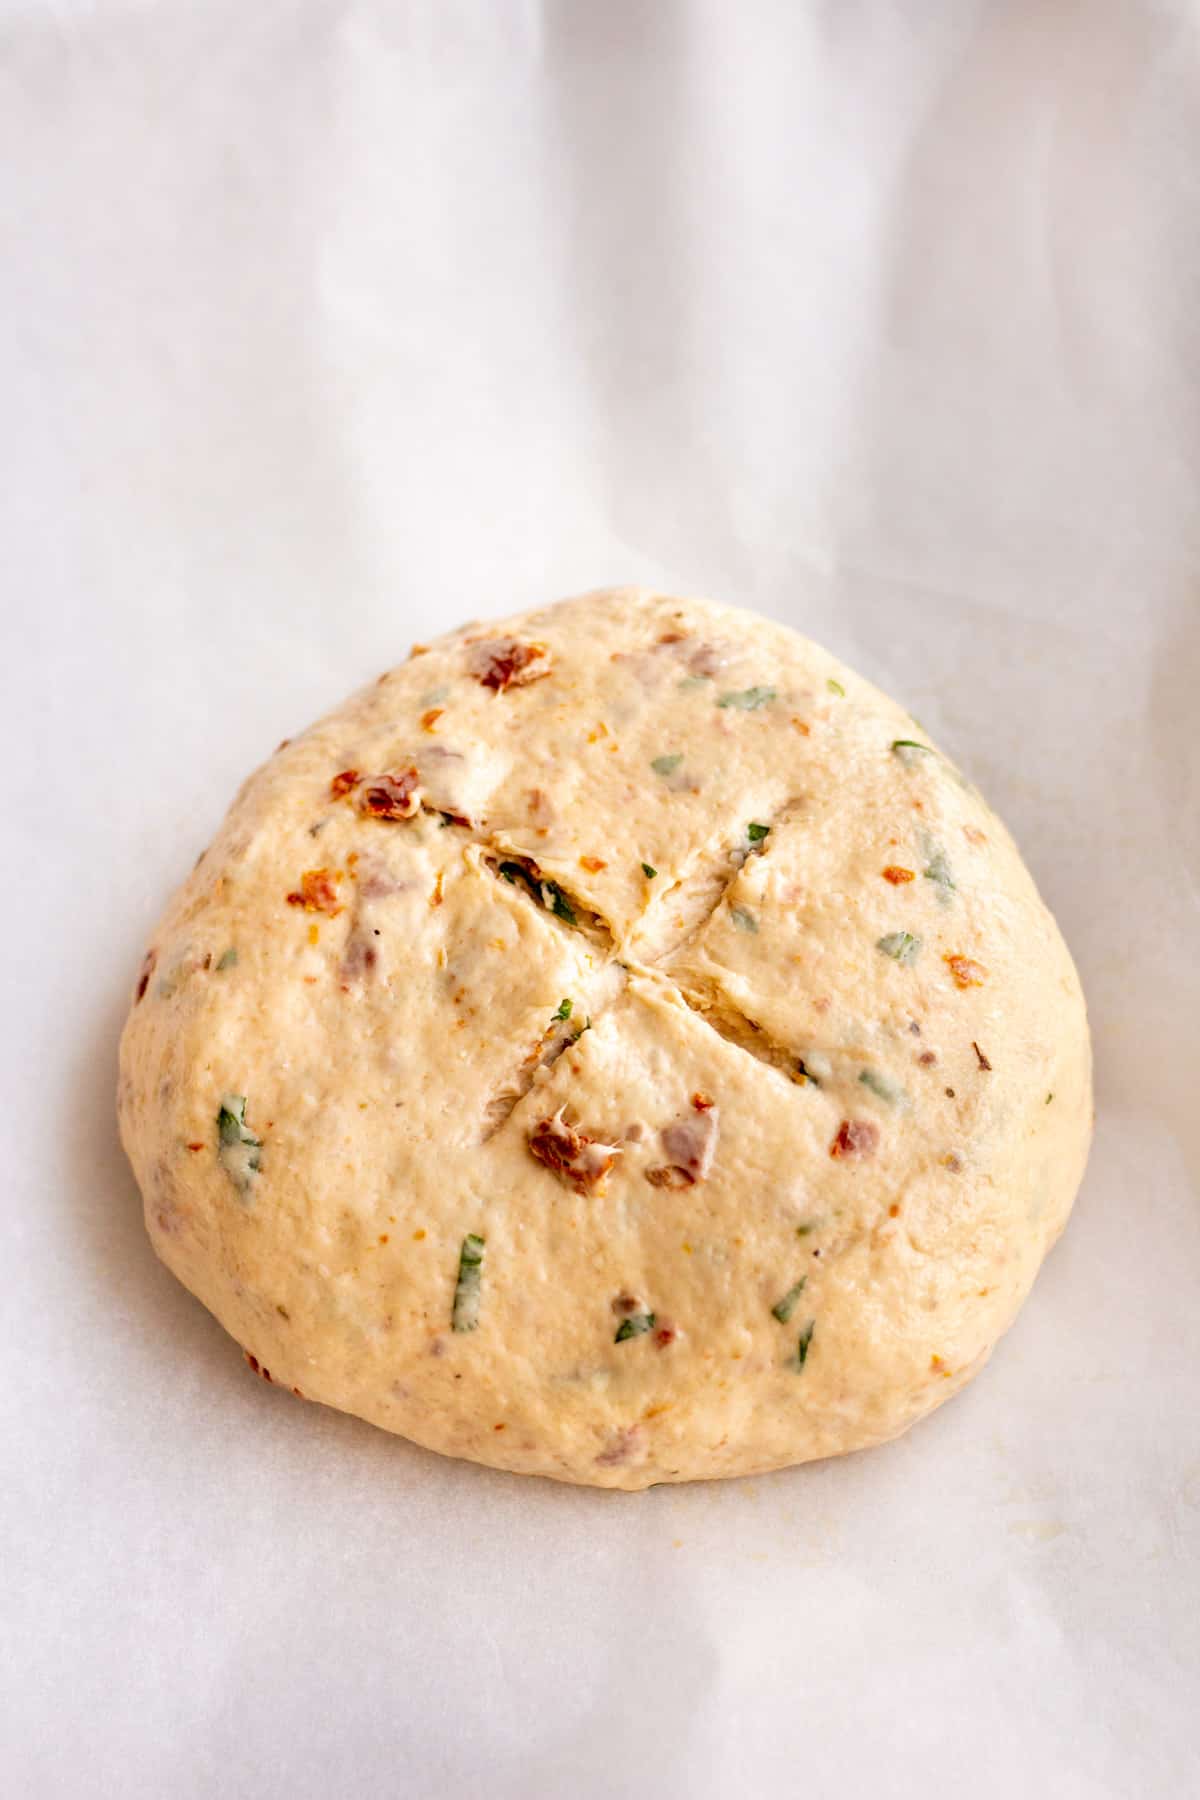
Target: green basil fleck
{"x":547,"y":893}
{"x":634,"y":1326}
{"x":939,"y":871}
{"x":743,"y":920}
{"x":514,"y":872}
{"x":881,"y":1086}
{"x":901,"y":946}
{"x":783,"y":1309}
{"x":804,"y":1341}
{"x":564,"y":1010}
{"x":748,"y":699}
{"x":240,"y":1151}
{"x":667,"y":765}
{"x":835,"y":687}
{"x":229,"y":960}
{"x":908,"y":750}
{"x":693,"y":681}
{"x":806,"y":1227}
{"x":467,"y":1290}
{"x":558,"y":903}
{"x":1049,"y":1098}
{"x":648,"y":871}
{"x":756,"y":833}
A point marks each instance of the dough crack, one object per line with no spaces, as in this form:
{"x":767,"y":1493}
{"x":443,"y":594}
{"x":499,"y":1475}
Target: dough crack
{"x":598,"y":993}
{"x":526,"y":875}
{"x":686,"y":907}
{"x":738,"y":1028}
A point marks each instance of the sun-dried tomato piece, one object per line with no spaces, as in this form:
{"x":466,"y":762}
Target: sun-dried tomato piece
{"x":855,"y":1137}
{"x":343,"y":784}
{"x":317,"y":891}
{"x":896,"y":875}
{"x":966,"y":973}
{"x":506,"y":663}
{"x":392,"y":796}
{"x":148,"y":962}
{"x":574,"y":1157}
{"x":622,"y":1445}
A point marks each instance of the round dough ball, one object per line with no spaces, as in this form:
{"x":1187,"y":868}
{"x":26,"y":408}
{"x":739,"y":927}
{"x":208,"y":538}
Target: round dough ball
{"x":617,"y":1046}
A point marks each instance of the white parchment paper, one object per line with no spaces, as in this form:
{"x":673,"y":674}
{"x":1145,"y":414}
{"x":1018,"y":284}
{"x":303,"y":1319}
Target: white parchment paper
{"x":324,"y":325}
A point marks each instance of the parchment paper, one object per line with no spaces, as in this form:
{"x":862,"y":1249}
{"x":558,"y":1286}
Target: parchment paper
{"x":324,"y":326}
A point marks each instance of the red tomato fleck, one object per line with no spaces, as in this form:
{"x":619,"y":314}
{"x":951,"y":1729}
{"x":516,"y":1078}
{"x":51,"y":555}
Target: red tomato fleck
{"x":897,"y":875}
{"x":392,"y":796}
{"x":317,"y":892}
{"x":855,"y":1137}
{"x":148,"y":962}
{"x":344,"y":783}
{"x":967,"y":974}
{"x":508,"y":664}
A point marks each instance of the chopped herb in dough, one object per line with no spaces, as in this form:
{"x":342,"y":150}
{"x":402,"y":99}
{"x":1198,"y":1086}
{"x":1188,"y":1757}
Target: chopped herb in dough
{"x":649,"y":871}
{"x":748,"y":699}
{"x":835,"y":687}
{"x":783,"y":1309}
{"x":901,"y":946}
{"x":756,"y":833}
{"x":667,"y":765}
{"x":804,"y":1340}
{"x":556,"y":902}
{"x":229,"y":960}
{"x":634,"y":1326}
{"x":240,"y":1152}
{"x":743,"y":920}
{"x":564,"y":1010}
{"x":939,"y":871}
{"x":909,"y":751}
{"x":548,"y":893}
{"x":465,"y":1316}
{"x":886,"y":1090}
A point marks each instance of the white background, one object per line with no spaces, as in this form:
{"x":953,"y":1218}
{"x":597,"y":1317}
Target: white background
{"x":325,"y":326}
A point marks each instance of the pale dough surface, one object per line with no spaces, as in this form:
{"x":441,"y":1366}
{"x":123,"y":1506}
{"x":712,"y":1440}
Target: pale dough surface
{"x":821,"y":1030}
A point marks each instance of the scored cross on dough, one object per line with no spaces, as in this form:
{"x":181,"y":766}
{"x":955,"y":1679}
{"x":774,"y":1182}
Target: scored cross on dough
{"x":679,"y":916}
